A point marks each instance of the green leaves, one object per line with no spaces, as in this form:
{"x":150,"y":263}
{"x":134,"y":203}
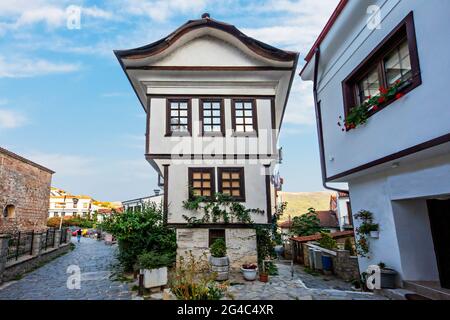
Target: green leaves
{"x":219,"y":208}
{"x":218,"y":248}
{"x":307,"y":224}
{"x":139,"y":232}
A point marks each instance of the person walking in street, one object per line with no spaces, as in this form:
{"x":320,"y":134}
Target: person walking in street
{"x":79,"y":235}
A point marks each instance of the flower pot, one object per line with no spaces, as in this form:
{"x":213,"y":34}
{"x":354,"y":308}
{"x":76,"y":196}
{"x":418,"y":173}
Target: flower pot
{"x":375,"y":234}
{"x":263,"y":277}
{"x":155,"y":277}
{"x":249,"y":274}
{"x":387,"y":278}
{"x":220,"y":266}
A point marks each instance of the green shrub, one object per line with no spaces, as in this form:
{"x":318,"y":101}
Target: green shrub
{"x":327,"y":242}
{"x":154,"y":260}
{"x":218,"y":249}
{"x":141,"y":231}
{"x":307,"y":224}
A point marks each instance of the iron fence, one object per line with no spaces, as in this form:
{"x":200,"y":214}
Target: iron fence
{"x":48,"y":239}
{"x":20,"y":244}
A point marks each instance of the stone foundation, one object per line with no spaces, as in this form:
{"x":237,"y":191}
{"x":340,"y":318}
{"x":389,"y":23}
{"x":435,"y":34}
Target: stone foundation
{"x":241,"y":244}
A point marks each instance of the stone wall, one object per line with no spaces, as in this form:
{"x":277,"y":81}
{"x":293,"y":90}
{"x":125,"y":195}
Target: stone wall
{"x":241,"y":244}
{"x":345,"y":266}
{"x":25,"y":186}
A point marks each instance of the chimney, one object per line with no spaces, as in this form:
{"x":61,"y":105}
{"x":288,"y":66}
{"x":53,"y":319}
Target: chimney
{"x":205,"y":15}
{"x":156,"y":191}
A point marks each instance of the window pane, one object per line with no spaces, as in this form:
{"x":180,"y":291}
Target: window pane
{"x":239,"y":120}
{"x":207,"y":121}
{"x":207,"y":128}
{"x":398,"y":64}
{"x":207,"y":113}
{"x":206,"y":105}
{"x":235,"y":193}
{"x":369,"y":86}
{"x":238,"y":105}
{"x":248,"y":128}
{"x":240,"y":128}
{"x":197,"y":184}
{"x":216,"y":128}
{"x":239,"y":113}
{"x":226,"y":184}
{"x":235,"y":175}
{"x":225,"y":175}
{"x":248,"y":113}
{"x":248,"y":105}
{"x":196,"y":192}
{"x":206,"y":184}
{"x":206,"y":175}
{"x":183,"y":120}
{"x":207,"y":193}
{"x":197,"y":175}
{"x":235,"y":184}
{"x":216,"y":105}
{"x":183,"y":113}
{"x":216,"y":121}
{"x":183,"y":105}
{"x":216,"y":113}
{"x":174,"y":113}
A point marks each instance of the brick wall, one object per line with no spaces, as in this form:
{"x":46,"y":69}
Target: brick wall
{"x":26,"y":186}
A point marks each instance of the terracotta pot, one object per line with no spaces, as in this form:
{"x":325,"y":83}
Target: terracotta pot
{"x":263,"y":277}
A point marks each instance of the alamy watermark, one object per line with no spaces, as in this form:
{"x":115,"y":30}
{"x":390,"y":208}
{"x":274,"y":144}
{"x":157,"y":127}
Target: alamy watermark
{"x":374,"y":19}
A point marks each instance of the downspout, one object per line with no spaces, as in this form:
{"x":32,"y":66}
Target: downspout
{"x":319,"y":124}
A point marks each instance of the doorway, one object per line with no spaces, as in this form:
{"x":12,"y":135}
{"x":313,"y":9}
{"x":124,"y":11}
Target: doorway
{"x":439,"y":213}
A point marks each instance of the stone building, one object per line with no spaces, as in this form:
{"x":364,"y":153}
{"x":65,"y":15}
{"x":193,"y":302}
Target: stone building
{"x":24,"y":193}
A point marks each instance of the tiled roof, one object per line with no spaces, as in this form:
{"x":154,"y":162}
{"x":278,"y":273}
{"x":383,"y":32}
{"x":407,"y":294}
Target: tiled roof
{"x":334,"y":235}
{"x":328,"y":219}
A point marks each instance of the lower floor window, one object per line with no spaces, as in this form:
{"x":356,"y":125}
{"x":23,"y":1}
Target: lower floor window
{"x":215,"y":234}
{"x":231,"y":182}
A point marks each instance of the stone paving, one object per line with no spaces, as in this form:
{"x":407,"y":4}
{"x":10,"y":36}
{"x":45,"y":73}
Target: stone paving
{"x":303,"y":286}
{"x":96,"y":262}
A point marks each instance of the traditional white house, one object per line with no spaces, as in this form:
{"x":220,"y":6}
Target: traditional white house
{"x":397,"y":165}
{"x":139,"y":203}
{"x":65,"y":204}
{"x":215,"y":100}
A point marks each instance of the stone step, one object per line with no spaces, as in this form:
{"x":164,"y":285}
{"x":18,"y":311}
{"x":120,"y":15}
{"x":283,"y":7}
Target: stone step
{"x":431,"y":290}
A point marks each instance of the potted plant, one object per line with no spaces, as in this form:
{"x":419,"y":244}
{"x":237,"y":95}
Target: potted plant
{"x":220,"y":264}
{"x":249,"y":271}
{"x":387,"y":277}
{"x":153,"y":265}
{"x":263,"y":275}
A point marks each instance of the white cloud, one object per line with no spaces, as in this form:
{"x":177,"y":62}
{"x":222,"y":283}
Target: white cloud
{"x":27,"y":67}
{"x":300,"y":108}
{"x":65,"y":165}
{"x":10,"y":119}
{"x":161,"y":10}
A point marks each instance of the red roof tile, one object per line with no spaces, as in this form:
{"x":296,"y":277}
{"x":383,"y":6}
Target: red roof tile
{"x":334,"y":235}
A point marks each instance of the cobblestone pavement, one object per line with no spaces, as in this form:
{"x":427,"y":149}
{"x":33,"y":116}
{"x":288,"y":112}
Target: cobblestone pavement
{"x":303,"y":286}
{"x":95,"y":260}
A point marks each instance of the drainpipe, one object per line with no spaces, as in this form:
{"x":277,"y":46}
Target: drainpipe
{"x":319,"y":124}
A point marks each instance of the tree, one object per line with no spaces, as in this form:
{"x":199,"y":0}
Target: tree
{"x":307,"y":224}
{"x":140,"y":231}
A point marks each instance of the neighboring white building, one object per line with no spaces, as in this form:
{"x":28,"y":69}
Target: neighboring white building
{"x":63,"y":204}
{"x":397,"y":165}
{"x":340,"y":203}
{"x":139,"y":203}
{"x":215,"y":101}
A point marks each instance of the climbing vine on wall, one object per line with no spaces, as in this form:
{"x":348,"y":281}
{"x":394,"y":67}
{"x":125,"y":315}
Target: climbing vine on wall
{"x":218,"y":208}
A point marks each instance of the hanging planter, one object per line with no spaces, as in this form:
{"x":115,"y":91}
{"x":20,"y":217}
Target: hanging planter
{"x":375,"y":234}
{"x":358,"y":115}
{"x":366,"y":229}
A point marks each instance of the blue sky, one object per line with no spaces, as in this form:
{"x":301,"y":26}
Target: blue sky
{"x":65,"y":102}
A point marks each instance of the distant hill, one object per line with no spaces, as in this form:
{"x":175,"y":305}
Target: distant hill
{"x":300,"y":202}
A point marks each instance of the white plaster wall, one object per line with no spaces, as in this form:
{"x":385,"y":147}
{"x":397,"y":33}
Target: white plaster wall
{"x":411,"y":120}
{"x":342,"y":211}
{"x":255,"y":189}
{"x":160,"y":144}
{"x":397,"y":199}
{"x":415,"y":241}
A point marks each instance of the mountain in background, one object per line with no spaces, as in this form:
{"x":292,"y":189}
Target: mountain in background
{"x":300,"y":202}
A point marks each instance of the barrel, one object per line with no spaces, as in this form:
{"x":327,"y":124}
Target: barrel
{"x":220,"y":266}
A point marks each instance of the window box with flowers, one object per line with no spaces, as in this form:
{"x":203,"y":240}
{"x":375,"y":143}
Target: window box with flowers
{"x":388,"y":73}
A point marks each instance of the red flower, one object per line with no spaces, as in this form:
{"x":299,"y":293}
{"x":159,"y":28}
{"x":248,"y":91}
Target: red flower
{"x":399,"y":95}
{"x":397,"y":82}
{"x":383,"y":90}
{"x":381,"y":99}
{"x":375,"y":108}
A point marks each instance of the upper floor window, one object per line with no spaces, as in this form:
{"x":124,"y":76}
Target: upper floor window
{"x":212,"y":117}
{"x":201,"y":182}
{"x":244,"y":119}
{"x":178,"y":117}
{"x":232,"y":182}
{"x":394,"y":62}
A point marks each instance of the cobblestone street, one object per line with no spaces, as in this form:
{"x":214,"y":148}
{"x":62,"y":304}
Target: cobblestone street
{"x":302,"y":286}
{"x":95,"y":260}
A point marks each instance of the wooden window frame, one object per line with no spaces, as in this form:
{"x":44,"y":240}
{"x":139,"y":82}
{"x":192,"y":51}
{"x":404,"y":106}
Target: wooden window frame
{"x":404,"y":30}
{"x":254,"y":116}
{"x":215,"y":237}
{"x":222,"y":117}
{"x":241,"y":172}
{"x":169,"y":132}
{"x":210,"y":170}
